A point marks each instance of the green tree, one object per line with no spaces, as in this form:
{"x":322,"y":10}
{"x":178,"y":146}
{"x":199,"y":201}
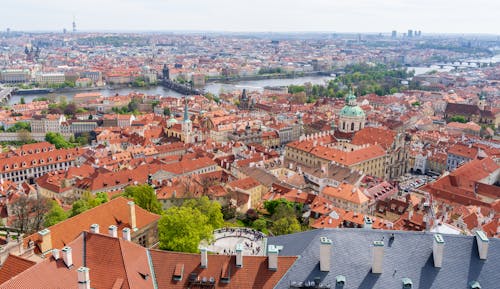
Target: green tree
{"x":271,"y":206}
{"x":458,"y":118}
{"x":22,"y":101}
{"x":20,"y":126}
{"x":88,"y":201}
{"x":181,"y":229}
{"x":57,"y":140}
{"x":211,"y":209}
{"x":55,"y":215}
{"x":260,"y":224}
{"x":145,"y":197}
{"x":286,"y":225}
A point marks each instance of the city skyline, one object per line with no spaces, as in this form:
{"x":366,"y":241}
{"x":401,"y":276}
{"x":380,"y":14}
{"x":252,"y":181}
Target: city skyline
{"x":259,"y":16}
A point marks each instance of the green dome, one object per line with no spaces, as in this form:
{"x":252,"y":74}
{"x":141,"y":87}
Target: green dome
{"x":352,"y":111}
{"x":172,"y":120}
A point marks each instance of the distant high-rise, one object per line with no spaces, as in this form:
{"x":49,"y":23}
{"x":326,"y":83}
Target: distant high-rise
{"x":74,"y":25}
{"x":8,"y":31}
{"x":64,"y":30}
{"x":394,"y":34}
{"x":419,"y":33}
{"x":410,"y":33}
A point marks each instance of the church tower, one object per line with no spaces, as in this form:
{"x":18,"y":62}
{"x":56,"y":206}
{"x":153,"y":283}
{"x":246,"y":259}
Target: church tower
{"x":187,"y":125}
{"x":482,"y":101}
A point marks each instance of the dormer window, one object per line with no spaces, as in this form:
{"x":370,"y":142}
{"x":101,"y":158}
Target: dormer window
{"x":50,"y":159}
{"x":178,"y":272}
{"x":23,"y":164}
{"x":6,"y":167}
{"x":33,"y":162}
{"x":42,"y":161}
{"x":15,"y":165}
{"x":58,"y":157}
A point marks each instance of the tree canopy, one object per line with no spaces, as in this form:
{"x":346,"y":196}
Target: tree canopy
{"x":55,"y":215}
{"x":211,"y":209}
{"x":58,"y":140}
{"x":182,"y":229}
{"x":145,"y":197}
{"x":87,"y":202}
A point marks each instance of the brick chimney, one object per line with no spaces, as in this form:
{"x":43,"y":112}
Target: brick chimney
{"x":113,"y":231}
{"x":126,"y":234}
{"x":325,"y":253}
{"x":272,"y":257}
{"x":239,"y":255}
{"x":204,"y":257}
{"x":133,"y":223}
{"x":46,"y":239}
{"x":83,"y":278}
{"x":482,"y":244}
{"x":378,"y":257}
{"x":67,"y":256}
{"x":94,"y":228}
{"x":438,"y":250}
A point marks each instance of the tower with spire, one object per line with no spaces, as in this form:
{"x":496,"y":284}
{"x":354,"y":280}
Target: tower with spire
{"x":187,"y":124}
{"x":74,"y":24}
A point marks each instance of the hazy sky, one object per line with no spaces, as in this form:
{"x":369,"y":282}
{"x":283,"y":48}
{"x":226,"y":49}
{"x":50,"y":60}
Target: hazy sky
{"x":455,"y":16}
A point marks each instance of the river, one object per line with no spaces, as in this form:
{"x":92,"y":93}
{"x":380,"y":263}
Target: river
{"x":213,"y":87}
{"x":218,"y":87}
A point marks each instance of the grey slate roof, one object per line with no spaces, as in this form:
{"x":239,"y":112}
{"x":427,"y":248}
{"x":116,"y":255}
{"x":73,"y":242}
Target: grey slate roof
{"x":409,"y":255}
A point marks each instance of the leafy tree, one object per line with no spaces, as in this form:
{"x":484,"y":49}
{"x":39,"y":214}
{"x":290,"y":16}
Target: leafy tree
{"x":286,"y":225}
{"x":458,"y":118}
{"x":228,"y":212}
{"x":271,"y":206}
{"x":211,"y":209}
{"x":57,"y":140}
{"x":133,"y":105}
{"x":182,"y":228}
{"x":260,"y":224}
{"x":55,"y":215}
{"x":145,"y":197}
{"x":87,"y":202}
{"x":166,"y":111}
{"x":22,"y":101}
{"x":19,"y":126}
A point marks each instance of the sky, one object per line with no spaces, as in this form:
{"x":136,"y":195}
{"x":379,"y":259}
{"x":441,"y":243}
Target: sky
{"x":429,"y":16}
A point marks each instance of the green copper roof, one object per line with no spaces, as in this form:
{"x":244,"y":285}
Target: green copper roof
{"x":350,"y":97}
{"x":352,"y":111}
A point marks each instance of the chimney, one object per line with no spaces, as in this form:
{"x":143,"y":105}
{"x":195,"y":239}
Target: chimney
{"x":55,"y":254}
{"x":438,"y":250}
{"x":83,"y":278}
{"x":325,"y":253}
{"x":133,"y":223}
{"x":204,"y":258}
{"x":94,"y":228}
{"x":126,"y":234}
{"x":113,"y":231}
{"x":67,"y":256}
{"x":368,"y":222}
{"x":46,"y":239}
{"x":272,"y":257}
{"x":239,"y":255}
{"x":378,"y":257}
{"x":482,"y":244}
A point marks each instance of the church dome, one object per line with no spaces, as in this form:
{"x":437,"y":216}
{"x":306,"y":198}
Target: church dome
{"x":352,"y":111}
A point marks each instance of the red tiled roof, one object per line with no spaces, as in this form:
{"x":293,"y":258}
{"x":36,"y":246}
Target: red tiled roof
{"x":12,"y":266}
{"x":115,"y":212}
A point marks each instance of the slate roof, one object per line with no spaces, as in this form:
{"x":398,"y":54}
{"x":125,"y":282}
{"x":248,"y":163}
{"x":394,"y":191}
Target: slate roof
{"x":409,"y":255}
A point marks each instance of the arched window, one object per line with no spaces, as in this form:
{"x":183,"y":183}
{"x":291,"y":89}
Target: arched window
{"x":343,"y":125}
{"x":352,"y":126}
